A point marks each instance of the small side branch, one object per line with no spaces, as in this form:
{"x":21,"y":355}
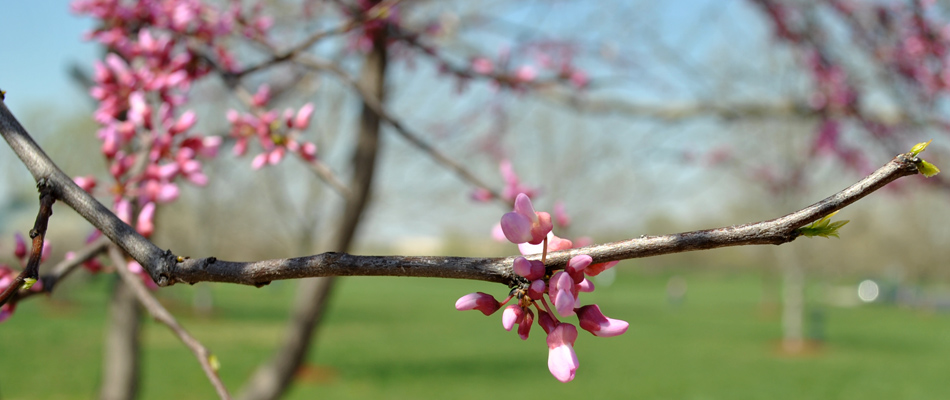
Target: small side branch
{"x":160,"y":314}
{"x":32,"y":271}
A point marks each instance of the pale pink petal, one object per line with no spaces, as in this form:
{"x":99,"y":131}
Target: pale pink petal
{"x":511,"y":315}
{"x":478,"y":301}
{"x":302,"y":120}
{"x":562,"y":361}
{"x":259,"y":161}
{"x":145,"y":224}
{"x":593,"y":320}
{"x":516,"y":227}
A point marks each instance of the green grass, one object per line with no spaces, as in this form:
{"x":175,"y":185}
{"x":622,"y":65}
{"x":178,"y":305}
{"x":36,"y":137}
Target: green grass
{"x":400,"y":338}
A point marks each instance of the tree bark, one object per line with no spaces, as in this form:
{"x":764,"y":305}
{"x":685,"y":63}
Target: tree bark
{"x":271,"y":380}
{"x":120,"y":370}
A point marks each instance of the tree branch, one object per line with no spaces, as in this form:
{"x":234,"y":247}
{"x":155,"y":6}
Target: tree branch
{"x":166,"y":269}
{"x":160,"y":314}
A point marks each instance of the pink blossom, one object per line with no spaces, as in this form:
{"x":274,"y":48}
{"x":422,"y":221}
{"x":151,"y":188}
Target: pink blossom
{"x":478,"y":301}
{"x":562,"y":361}
{"x":576,"y":265}
{"x":262,"y":96}
{"x":511,"y":316}
{"x":595,"y":269}
{"x":594,"y":321}
{"x":524,"y":326}
{"x":87,"y":183}
{"x":526,"y":73}
{"x":562,"y":292}
{"x":302,"y":120}
{"x":482,"y":65}
{"x":554,"y":244}
{"x":145,"y":224}
{"x":529,"y":269}
{"x":537,"y":289}
{"x":20,"y":247}
{"x":524,"y":224}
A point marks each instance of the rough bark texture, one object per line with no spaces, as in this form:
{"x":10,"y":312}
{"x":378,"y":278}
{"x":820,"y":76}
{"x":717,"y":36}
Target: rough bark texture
{"x":120,"y":369}
{"x":272,"y":380}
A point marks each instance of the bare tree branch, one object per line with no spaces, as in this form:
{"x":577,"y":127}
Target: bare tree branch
{"x":167,"y":269}
{"x":162,"y":315}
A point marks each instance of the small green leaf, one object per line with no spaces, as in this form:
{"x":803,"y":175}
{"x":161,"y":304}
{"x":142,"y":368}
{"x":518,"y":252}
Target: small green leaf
{"x":28,"y":283}
{"x":919,"y":147}
{"x":927,"y":169}
{"x":215,"y":364}
{"x":823,"y":227}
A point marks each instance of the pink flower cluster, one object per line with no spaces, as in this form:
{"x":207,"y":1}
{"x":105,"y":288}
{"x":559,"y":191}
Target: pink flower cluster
{"x":157,"y":50}
{"x":277,"y":134}
{"x":529,"y":229}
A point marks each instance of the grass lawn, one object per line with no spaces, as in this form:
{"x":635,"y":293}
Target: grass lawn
{"x":401,"y":338}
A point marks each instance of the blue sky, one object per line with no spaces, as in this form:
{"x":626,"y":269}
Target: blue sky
{"x":41,"y":40}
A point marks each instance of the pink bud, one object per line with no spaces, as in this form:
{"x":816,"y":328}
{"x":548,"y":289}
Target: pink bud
{"x":482,"y":65}
{"x":537,"y":289}
{"x":594,"y":321}
{"x":512,"y":315}
{"x":308,"y":151}
{"x":478,"y":301}
{"x":526,"y":73}
{"x":546,"y":321}
{"x":524,"y":326}
{"x":87,"y":183}
{"x":145,"y":225}
{"x":20,"y":249}
{"x":185,"y":122}
{"x":575,"y":267}
{"x":302,"y":120}
{"x":562,"y":361}
{"x":262,"y":97}
{"x":259,"y":161}
{"x":595,"y":269}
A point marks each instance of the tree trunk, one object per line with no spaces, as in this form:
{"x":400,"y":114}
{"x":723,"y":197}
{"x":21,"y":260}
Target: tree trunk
{"x":120,"y":370}
{"x":271,"y":380}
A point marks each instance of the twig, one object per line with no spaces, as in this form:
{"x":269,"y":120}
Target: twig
{"x":66,"y":267}
{"x":160,"y":314}
{"x":38,"y":233}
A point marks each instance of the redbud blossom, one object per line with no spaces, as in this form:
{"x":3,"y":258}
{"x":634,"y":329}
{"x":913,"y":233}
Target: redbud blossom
{"x":20,"y":248}
{"x":595,"y":269}
{"x":145,"y":224}
{"x":478,"y":301}
{"x":537,"y":289}
{"x":302,"y":120}
{"x":562,"y":292}
{"x":562,"y":361}
{"x":575,"y":267}
{"x":594,"y":321}
{"x":512,"y":315}
{"x":530,"y":269}
{"x":524,"y":326}
{"x":524,"y":224}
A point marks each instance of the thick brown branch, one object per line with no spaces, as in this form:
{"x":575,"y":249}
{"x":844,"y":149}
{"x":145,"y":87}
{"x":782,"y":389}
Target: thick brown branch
{"x":160,"y":314}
